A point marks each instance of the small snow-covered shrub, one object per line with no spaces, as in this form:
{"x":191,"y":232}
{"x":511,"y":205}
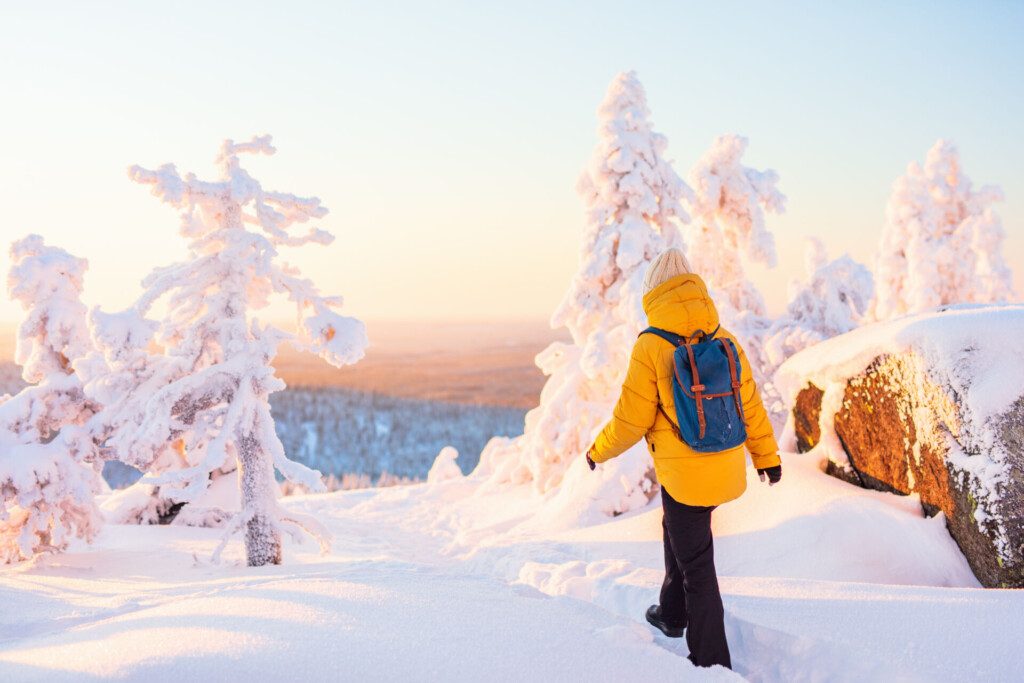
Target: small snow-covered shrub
{"x":350,"y":482}
{"x":444,"y":468}
{"x":48,"y":467}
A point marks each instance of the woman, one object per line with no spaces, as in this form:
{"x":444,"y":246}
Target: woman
{"x":692,"y":483}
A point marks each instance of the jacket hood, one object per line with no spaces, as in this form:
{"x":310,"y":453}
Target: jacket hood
{"x":681,"y":305}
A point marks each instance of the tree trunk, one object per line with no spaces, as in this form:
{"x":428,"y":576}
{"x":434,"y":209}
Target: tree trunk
{"x":256,"y":479}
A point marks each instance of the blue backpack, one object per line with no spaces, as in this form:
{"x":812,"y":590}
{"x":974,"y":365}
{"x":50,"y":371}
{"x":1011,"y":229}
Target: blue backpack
{"x":706,"y":390}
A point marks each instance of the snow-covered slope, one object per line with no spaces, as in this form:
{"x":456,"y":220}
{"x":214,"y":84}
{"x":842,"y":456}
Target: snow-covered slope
{"x":450,"y":581}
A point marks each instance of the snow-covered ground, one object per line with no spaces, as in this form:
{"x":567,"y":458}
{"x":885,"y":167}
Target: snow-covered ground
{"x":458,"y":581}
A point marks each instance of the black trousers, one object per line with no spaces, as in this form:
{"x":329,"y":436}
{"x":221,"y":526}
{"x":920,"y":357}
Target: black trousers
{"x":689,"y":595}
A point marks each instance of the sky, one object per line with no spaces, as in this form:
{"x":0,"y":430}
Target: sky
{"x":447,"y":138}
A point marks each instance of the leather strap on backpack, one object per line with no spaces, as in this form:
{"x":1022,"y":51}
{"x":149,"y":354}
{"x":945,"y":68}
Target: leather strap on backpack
{"x":670,"y":337}
{"x":734,"y":376}
{"x":698,"y":390}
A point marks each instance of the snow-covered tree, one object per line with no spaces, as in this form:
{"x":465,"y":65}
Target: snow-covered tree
{"x":204,"y":400}
{"x":631,"y":194}
{"x":48,"y":469}
{"x":728,"y":232}
{"x":632,"y":197}
{"x":834,"y":298}
{"x":942,"y":242}
{"x":729,"y":228}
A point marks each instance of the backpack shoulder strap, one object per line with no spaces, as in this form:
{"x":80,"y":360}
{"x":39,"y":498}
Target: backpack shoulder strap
{"x":673,"y":339}
{"x":700,"y":335}
{"x":734,"y":373}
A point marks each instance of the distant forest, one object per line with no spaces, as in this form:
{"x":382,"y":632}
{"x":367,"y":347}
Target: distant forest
{"x":349,"y":432}
{"x":344,"y":431}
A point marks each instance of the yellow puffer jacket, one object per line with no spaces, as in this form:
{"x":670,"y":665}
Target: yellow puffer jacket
{"x":682,"y":306}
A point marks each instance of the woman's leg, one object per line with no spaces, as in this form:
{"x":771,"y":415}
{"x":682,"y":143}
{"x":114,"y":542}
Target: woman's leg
{"x":689,"y":531}
{"x":673,"y":590}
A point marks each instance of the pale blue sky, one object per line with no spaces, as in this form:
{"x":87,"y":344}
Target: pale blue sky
{"x":447,"y":137}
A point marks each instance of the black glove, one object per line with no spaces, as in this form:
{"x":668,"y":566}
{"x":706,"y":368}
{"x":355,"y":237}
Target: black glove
{"x":593,"y":465}
{"x":774,"y":474}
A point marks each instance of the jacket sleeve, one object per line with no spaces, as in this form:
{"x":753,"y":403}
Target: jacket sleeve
{"x":635,"y":411}
{"x":764,"y":450}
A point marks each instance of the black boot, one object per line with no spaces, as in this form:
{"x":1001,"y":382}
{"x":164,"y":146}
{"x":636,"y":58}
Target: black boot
{"x":655,"y":620}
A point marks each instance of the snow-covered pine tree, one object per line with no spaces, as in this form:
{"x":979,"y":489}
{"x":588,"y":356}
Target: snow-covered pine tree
{"x":834,"y":298}
{"x":728,"y":232}
{"x":942,"y":242}
{"x":729,"y":228}
{"x":48,"y":470}
{"x":632,"y":197}
{"x":208,"y":398}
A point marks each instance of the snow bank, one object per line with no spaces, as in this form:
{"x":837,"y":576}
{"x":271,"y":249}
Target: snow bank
{"x":983,"y":343}
{"x":127,"y":611}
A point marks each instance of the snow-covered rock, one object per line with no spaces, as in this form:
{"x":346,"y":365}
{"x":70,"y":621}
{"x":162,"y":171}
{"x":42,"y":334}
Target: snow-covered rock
{"x":931,"y":405}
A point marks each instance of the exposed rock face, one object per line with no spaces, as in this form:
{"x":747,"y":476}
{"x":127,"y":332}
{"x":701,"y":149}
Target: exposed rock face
{"x":904,"y":430}
{"x":806,"y":418}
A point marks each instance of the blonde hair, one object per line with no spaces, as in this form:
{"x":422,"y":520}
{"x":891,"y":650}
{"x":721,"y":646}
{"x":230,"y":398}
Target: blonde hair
{"x":669,"y":264}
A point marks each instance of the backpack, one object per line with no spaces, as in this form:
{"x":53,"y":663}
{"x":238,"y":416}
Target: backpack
{"x":706,"y":391}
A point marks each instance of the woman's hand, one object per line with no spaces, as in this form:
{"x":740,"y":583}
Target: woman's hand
{"x":774,"y":474}
{"x":590,"y":461}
